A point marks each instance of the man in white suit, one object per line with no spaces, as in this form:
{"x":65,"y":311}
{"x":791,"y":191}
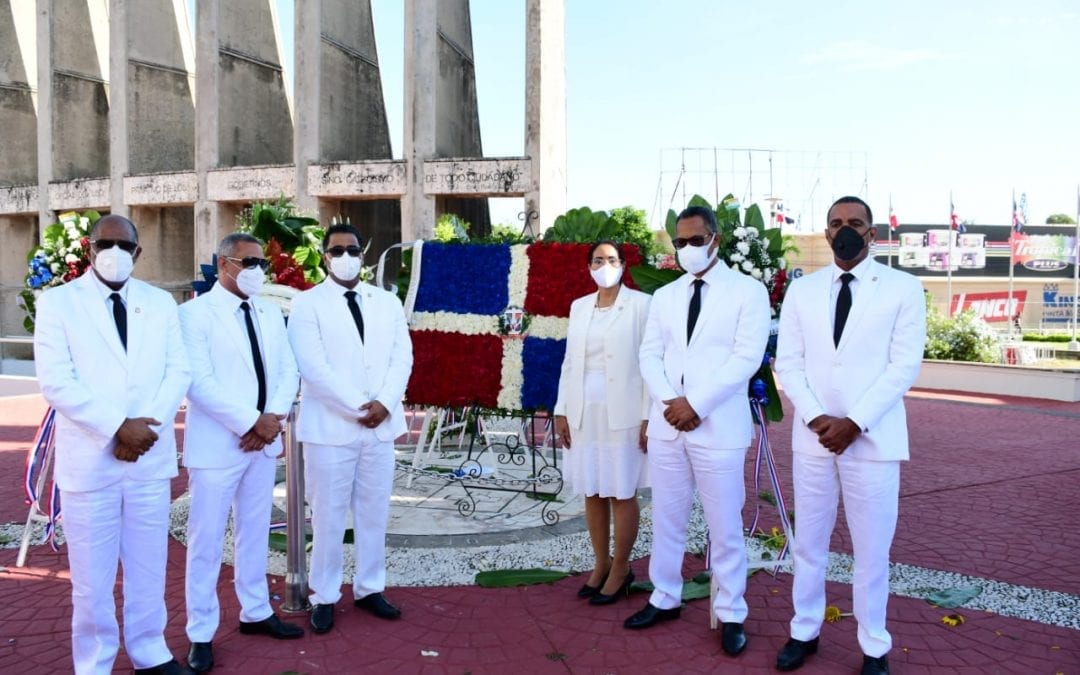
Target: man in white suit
{"x":704,"y":339}
{"x":244,"y":382}
{"x":110,"y":360}
{"x":850,"y":346}
{"x":355,"y":357}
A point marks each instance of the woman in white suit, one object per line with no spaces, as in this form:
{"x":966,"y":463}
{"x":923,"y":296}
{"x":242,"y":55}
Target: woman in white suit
{"x":601,"y":415}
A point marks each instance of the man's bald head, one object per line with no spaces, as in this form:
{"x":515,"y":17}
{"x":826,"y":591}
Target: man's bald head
{"x":111,"y":222}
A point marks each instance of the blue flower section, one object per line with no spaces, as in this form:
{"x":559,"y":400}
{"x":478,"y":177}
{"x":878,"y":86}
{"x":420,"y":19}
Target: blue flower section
{"x":40,"y":274}
{"x":542,"y":360}
{"x":464,"y":278}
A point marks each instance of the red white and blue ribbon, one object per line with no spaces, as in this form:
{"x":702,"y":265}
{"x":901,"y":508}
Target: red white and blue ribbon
{"x":764,"y":450}
{"x":36,"y":460}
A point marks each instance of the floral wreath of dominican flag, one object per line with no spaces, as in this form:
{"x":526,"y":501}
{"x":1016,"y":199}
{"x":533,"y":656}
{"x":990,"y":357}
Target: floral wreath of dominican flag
{"x":488,"y":322}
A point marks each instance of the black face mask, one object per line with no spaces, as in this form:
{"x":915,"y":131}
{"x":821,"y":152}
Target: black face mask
{"x":847,"y":244}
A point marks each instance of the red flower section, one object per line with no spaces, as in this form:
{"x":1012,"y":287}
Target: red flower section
{"x":559,"y":274}
{"x":284,"y":269}
{"x":451,"y":369}
{"x":778,"y":289}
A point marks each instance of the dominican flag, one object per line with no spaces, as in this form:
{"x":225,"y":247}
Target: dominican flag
{"x":488,"y":321}
{"x":1018,"y":217}
{"x":954,"y":220}
{"x":781,"y":217}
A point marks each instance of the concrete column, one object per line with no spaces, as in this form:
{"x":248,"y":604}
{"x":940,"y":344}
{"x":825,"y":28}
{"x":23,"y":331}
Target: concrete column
{"x":545,"y":109}
{"x":118,"y":110}
{"x":307,"y":61}
{"x":44,"y":108}
{"x":421,"y":76}
{"x":207,"y":144}
{"x":18,"y":93}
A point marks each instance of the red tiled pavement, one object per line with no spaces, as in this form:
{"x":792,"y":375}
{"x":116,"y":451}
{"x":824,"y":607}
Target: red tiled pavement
{"x":991,"y":491}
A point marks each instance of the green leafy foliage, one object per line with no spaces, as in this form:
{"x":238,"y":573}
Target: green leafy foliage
{"x":953,"y":597}
{"x":693,"y":589}
{"x":450,"y":227}
{"x":1060,"y":219}
{"x":964,"y":337}
{"x":298,"y":235}
{"x":525,"y":577}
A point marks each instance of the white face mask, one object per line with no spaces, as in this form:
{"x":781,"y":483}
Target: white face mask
{"x":606,"y":276}
{"x":250,"y":281}
{"x":696,"y":259}
{"x":346,"y":267}
{"x":114,"y":264}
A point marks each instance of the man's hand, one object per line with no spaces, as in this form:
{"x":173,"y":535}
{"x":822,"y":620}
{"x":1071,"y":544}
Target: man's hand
{"x":836,"y":433}
{"x":681,"y":415}
{"x":135,"y":434}
{"x":562,"y":432}
{"x":372,"y":414}
{"x":643,"y":436}
{"x":126,"y":453}
{"x":252,"y":441}
{"x":268,"y":426}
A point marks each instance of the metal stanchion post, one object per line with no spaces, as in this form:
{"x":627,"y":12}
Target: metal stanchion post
{"x":296,"y":581}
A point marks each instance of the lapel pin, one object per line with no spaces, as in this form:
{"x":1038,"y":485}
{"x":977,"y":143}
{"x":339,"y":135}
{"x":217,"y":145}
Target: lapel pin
{"x":873,"y":278}
{"x":138,"y":309}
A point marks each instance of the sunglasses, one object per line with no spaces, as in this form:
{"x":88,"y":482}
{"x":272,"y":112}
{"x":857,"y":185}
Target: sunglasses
{"x":338,"y":251}
{"x":251,"y":262}
{"x":696,"y":240}
{"x":105,"y":244}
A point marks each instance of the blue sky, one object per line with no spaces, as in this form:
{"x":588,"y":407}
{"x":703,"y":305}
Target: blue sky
{"x":911,"y":99}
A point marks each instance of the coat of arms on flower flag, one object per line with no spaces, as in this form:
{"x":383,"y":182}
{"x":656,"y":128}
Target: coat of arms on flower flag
{"x":488,"y":321}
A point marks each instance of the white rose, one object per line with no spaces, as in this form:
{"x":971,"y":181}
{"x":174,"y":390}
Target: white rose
{"x":752,"y":233}
{"x":54,"y":268}
{"x":767,"y":276}
{"x":781,"y":263}
{"x":747,"y":265}
{"x":743,"y":247}
{"x":71,"y":257}
{"x":740,"y":232}
{"x":756,"y":273}
{"x":737,"y":257}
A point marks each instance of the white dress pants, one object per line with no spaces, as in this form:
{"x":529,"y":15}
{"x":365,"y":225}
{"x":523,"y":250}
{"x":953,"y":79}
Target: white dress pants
{"x":675,"y":467}
{"x":870,"y":491}
{"x":337,"y":478}
{"x":247,"y":489}
{"x":128,"y":522}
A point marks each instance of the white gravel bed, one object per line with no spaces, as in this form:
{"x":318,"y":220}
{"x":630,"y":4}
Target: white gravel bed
{"x":1021,"y":602}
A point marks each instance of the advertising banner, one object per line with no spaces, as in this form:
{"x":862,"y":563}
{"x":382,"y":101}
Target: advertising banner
{"x":991,"y":307}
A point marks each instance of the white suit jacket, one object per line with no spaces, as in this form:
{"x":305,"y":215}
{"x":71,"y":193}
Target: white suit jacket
{"x":627,"y":398}
{"x":224,"y":390}
{"x":713,"y":371}
{"x":95,"y":385}
{"x":338,"y":372}
{"x":866,"y":376}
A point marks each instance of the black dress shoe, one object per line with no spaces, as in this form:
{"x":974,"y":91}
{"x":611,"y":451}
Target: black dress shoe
{"x":794,"y":653}
{"x":379,"y":606}
{"x":322,"y":618}
{"x":732,"y":638}
{"x":272,"y":626}
{"x":651,"y":615}
{"x":587,"y":591}
{"x":200,"y":657}
{"x":599,"y":598}
{"x":173,"y":667}
{"x":875,"y":665}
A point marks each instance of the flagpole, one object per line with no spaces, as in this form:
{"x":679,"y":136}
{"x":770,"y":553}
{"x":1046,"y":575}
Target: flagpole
{"x":890,"y":229}
{"x":1074,"y":345}
{"x":1012,"y":234}
{"x":948,"y":261}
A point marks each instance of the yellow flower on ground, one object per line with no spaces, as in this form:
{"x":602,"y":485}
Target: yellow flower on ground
{"x":832,"y":614}
{"x":952,"y":619}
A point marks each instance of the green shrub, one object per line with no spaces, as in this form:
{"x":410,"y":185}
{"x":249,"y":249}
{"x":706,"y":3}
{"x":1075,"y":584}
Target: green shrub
{"x":964,"y":337}
{"x":1035,"y":337}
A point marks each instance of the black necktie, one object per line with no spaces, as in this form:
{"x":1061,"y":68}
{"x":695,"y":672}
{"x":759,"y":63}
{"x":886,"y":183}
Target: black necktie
{"x":119,"y":315}
{"x":256,"y":355}
{"x":695,"y":309}
{"x":354,"y":308}
{"x":843,"y":306}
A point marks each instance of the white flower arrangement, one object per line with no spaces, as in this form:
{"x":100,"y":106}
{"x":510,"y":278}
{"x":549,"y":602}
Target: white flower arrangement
{"x":513,"y":368}
{"x":519,"y":274}
{"x":466,"y":324}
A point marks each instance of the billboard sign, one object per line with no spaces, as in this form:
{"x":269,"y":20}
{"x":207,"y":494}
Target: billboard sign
{"x":991,"y":307}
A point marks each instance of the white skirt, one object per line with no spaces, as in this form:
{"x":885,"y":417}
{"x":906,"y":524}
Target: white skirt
{"x":604,"y":462}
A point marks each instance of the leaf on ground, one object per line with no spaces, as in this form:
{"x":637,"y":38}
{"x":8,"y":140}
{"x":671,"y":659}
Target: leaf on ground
{"x":526,"y":577}
{"x":949,"y":598}
{"x":694,"y":589}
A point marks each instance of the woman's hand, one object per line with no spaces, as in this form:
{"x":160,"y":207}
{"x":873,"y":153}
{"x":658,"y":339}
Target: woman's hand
{"x":643,"y":436}
{"x":562,"y":432}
